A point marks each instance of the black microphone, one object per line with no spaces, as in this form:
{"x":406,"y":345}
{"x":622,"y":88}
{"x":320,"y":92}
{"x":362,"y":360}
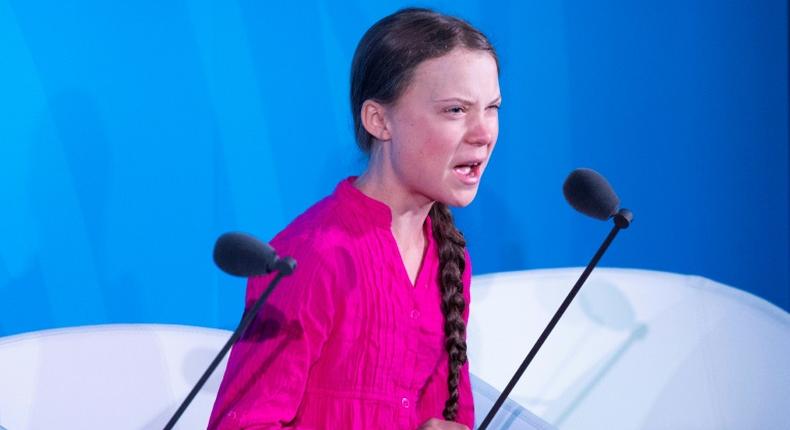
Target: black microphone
{"x":589,"y":193}
{"x":240,"y":254}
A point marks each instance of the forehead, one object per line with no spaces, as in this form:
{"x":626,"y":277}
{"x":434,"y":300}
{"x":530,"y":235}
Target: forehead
{"x":460,"y":73}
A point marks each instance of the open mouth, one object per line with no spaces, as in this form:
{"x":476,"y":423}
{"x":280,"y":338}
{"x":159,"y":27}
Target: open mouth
{"x":468,"y":172}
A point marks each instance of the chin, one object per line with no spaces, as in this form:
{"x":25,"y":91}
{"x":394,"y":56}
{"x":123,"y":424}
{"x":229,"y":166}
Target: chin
{"x":461,"y":198}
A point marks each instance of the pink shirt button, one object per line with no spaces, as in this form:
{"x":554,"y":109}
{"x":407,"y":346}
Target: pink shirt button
{"x":414,"y":314}
{"x":404,"y":402}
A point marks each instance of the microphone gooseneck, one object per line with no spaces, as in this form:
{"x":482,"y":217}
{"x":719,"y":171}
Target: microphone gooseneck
{"x":589,"y":193}
{"x":240,"y":254}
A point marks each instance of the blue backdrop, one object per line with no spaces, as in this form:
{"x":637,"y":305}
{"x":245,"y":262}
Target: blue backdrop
{"x":131,"y":135}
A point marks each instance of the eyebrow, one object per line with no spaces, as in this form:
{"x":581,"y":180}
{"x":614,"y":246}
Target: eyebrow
{"x":466,"y":101}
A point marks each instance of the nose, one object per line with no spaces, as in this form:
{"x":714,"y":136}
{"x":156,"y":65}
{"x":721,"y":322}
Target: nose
{"x":482,"y":129}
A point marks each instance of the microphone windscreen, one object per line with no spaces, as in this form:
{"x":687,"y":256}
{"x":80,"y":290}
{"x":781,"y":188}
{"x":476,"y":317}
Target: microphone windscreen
{"x":240,"y":254}
{"x":589,"y":193}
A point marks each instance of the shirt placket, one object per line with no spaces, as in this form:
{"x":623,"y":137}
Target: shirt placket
{"x":409,"y":375}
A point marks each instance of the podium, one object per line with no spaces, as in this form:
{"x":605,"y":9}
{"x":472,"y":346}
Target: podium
{"x":133,"y":376}
{"x":636,"y":349}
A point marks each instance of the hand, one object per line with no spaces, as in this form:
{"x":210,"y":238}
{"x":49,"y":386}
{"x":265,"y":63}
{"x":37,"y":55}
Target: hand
{"x":437,"y":424}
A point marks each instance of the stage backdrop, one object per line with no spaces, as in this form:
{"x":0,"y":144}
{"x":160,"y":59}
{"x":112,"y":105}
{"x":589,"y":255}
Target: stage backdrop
{"x":133,"y":134}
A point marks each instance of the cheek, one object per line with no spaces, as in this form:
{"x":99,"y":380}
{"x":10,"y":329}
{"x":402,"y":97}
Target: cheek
{"x":424,"y":146}
{"x":427,"y":142}
{"x":441,"y":140}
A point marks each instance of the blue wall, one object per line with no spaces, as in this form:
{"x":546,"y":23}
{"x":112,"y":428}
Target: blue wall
{"x":131,"y":136}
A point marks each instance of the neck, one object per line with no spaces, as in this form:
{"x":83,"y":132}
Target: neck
{"x":409,"y":208}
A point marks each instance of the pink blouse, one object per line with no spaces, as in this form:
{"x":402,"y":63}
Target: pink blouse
{"x":346,"y":342}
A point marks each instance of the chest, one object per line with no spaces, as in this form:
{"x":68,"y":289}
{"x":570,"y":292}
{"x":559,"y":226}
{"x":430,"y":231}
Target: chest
{"x":412,"y":261}
{"x":387,"y":335}
{"x":384,"y":307}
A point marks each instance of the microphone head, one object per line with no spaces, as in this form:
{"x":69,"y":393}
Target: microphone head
{"x":589,"y":193}
{"x":241,"y":254}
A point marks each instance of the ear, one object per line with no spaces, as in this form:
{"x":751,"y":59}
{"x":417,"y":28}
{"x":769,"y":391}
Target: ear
{"x":374,"y":120}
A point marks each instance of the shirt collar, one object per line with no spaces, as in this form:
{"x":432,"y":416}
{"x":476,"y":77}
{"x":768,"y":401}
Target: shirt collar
{"x":376,"y":212}
{"x":373,"y":210}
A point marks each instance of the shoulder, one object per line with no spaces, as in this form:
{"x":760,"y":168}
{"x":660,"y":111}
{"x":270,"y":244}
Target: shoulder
{"x":315,"y":239}
{"x":315,"y":234}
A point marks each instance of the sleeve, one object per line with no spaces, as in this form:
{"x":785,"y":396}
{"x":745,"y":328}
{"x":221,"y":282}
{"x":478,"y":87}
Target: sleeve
{"x":269,"y":365}
{"x":435,"y":391}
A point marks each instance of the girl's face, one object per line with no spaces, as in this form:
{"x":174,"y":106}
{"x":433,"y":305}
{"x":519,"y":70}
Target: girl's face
{"x":444,"y":126}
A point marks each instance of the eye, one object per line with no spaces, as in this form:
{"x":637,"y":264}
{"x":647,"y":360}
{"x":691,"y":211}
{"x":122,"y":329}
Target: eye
{"x":455,"y":109}
{"x":495,"y":107}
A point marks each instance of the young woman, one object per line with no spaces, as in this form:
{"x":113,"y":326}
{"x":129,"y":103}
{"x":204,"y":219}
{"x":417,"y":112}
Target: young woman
{"x":370,"y":331}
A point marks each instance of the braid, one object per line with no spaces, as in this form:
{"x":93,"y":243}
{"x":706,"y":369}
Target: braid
{"x":451,"y":245}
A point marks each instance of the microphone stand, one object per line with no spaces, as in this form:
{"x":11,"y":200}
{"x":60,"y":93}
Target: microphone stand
{"x":284,"y":267}
{"x":622,"y":220}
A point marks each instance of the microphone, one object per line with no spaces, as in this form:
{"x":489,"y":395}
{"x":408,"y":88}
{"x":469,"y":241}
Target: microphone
{"x":589,"y":193}
{"x":240,"y":254}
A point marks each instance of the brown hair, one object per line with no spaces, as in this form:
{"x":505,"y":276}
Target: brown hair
{"x":381,"y":70}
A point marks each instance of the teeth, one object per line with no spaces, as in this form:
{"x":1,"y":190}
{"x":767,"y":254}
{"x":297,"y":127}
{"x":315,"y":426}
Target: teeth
{"x":464,"y":170}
